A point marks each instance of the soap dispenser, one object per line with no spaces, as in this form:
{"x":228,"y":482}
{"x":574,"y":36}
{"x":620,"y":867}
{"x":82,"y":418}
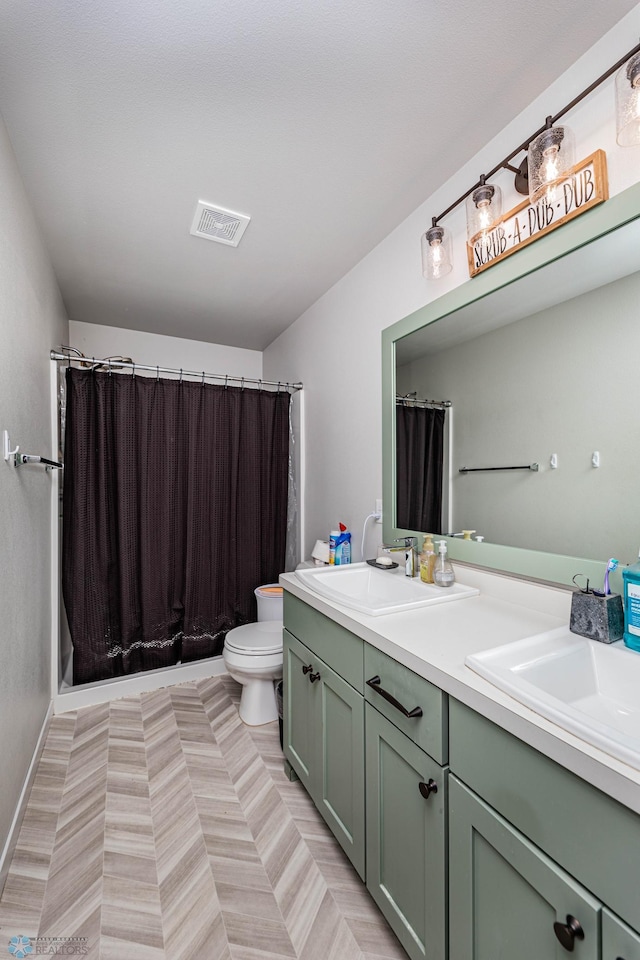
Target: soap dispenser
{"x":427,"y":559}
{"x":443,"y":574}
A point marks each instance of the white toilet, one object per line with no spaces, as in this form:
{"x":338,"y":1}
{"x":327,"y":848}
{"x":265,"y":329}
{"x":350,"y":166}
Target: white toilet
{"x":253,"y":656}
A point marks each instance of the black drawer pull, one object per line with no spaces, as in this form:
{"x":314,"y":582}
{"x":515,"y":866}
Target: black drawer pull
{"x":426,"y":789}
{"x":374,"y":683}
{"x":307,"y":670}
{"x":313,"y":677}
{"x":567,"y":933}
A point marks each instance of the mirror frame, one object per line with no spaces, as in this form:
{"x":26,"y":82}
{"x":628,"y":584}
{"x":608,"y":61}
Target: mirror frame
{"x":595,"y":223}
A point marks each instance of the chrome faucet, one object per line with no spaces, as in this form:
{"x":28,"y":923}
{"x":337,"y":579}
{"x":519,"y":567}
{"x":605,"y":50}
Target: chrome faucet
{"x":411,"y":555}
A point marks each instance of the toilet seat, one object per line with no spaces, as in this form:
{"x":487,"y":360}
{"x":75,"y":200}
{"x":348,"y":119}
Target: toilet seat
{"x":260,"y":639}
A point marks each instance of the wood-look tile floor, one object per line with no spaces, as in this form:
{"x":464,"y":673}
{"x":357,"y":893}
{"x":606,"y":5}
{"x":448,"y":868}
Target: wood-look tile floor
{"x":160,"y":827}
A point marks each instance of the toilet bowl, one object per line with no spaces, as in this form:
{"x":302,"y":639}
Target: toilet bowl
{"x":253,"y":657}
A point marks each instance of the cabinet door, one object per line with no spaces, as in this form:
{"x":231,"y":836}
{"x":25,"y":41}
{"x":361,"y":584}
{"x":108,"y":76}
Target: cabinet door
{"x":406,"y":873}
{"x":338,"y":787}
{"x":619,"y":942}
{"x":324,"y":743}
{"x":506,"y":896}
{"x":298,"y":709}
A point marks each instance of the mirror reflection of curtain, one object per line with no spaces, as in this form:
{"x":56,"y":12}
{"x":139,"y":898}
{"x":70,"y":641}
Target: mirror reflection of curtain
{"x":175,"y":509}
{"x":420,"y":452}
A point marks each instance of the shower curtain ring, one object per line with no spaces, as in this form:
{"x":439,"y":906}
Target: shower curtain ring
{"x":157,"y":374}
{"x":203,"y":378}
{"x":242,"y":383}
{"x":133,"y":369}
{"x":180,"y":374}
{"x":109,"y":367}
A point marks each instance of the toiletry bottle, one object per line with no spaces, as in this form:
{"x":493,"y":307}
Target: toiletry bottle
{"x":631,"y":580}
{"x":427,"y":559}
{"x":333,"y":539}
{"x":443,"y":574}
{"x":342,"y":548}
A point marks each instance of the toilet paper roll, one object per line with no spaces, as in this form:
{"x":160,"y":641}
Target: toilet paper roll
{"x":321,"y":551}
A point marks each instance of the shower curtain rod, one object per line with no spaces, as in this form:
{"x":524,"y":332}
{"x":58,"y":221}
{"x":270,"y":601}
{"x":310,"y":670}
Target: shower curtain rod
{"x":412,"y":398}
{"x":115,"y":363}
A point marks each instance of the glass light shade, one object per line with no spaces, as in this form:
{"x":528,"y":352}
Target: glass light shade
{"x":551,"y":155}
{"x":628,"y":103}
{"x":436,"y":253}
{"x":484,"y":207}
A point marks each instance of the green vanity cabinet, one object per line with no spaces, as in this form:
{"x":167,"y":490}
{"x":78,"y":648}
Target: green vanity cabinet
{"x":476,"y":845}
{"x":507,"y":899}
{"x":324,"y":743}
{"x":619,"y":942}
{"x":406,"y":840}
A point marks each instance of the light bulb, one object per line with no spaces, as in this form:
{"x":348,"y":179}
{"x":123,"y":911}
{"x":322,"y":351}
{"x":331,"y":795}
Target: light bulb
{"x":628,"y":103}
{"x":484,"y":207}
{"x":550,"y":158}
{"x":436,"y":253}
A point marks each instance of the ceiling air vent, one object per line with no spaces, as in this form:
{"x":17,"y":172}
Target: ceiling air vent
{"x":215,"y":223}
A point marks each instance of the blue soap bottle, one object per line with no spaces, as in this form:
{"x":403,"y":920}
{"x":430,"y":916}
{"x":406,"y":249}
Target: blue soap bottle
{"x":631,"y":580}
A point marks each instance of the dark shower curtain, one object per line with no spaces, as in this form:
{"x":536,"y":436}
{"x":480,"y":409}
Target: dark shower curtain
{"x":174,"y":510}
{"x":419,"y":467}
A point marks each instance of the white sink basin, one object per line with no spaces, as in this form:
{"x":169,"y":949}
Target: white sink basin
{"x":591,"y":689}
{"x":377,"y":592}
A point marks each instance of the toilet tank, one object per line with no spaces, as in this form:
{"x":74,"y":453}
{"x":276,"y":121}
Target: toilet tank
{"x":270,"y":603}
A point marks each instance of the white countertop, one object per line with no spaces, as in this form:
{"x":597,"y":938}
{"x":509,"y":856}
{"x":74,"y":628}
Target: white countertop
{"x":434,"y":642}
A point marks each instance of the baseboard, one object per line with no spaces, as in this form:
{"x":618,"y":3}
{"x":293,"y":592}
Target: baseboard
{"x":16,"y":823}
{"x":90,"y":694}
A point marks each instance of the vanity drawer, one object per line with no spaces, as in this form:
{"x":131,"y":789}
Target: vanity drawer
{"x":342,"y":650}
{"x":594,"y":838}
{"x":429,"y":730}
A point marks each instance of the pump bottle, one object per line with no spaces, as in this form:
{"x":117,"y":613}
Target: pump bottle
{"x":427,"y":559}
{"x":443,"y":574}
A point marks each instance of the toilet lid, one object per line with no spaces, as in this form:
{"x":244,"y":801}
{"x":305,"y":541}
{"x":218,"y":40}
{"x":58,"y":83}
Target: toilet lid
{"x":256,"y":639}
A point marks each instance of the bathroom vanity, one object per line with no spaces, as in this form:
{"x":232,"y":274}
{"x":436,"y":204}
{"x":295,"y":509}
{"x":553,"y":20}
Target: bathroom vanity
{"x":481,"y":829}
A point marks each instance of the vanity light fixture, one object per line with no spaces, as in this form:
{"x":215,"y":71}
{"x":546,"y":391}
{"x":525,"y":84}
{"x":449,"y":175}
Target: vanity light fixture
{"x":549,"y":154}
{"x":628,"y":103}
{"x":484,"y":207}
{"x":436,"y":252}
{"x":550,"y":157}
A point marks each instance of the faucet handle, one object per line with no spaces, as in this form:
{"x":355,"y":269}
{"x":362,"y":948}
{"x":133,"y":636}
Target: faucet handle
{"x":407,"y":541}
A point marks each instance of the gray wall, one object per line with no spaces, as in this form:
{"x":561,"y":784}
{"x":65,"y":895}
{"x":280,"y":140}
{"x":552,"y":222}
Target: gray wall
{"x":563,"y":381}
{"x":33,"y":320}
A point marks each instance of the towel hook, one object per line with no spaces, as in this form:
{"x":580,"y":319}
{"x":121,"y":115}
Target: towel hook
{"x":6,"y":445}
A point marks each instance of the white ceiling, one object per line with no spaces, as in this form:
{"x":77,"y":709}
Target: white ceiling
{"x":327,"y":122}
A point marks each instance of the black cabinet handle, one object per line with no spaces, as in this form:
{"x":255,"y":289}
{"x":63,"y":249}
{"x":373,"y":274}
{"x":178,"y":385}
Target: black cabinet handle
{"x":374,"y":683}
{"x":307,"y":670}
{"x":567,"y":933}
{"x":313,"y":677}
{"x":426,"y":789}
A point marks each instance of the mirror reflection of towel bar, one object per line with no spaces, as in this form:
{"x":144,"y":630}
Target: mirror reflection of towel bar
{"x":526,"y":466}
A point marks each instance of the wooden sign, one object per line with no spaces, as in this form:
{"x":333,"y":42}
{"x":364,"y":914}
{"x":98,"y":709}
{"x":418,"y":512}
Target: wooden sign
{"x":584,"y":186}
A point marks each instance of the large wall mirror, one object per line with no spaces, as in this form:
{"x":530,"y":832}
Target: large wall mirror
{"x":510,"y":405}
